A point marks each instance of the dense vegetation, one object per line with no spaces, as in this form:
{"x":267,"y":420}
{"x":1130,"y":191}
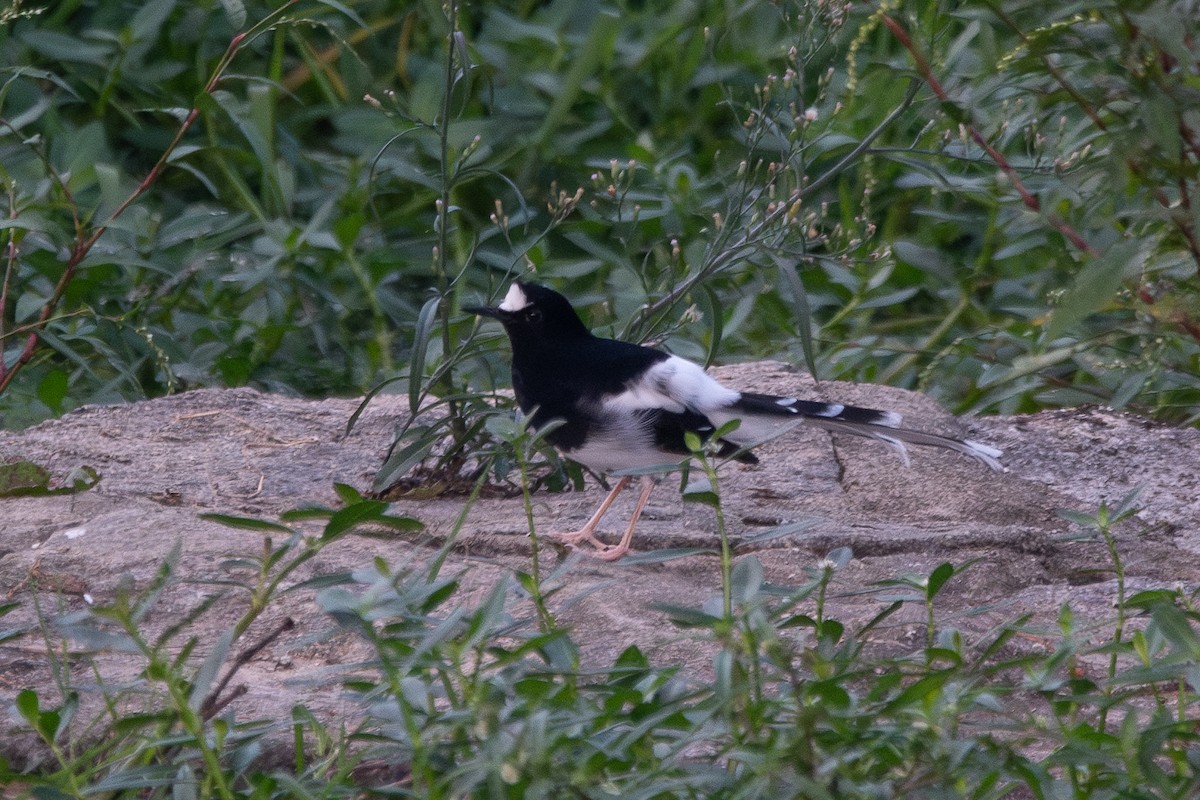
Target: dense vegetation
{"x":989,"y":201}
{"x":992,"y":201}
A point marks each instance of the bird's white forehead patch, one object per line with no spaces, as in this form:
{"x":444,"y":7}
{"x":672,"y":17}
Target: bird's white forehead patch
{"x":515,"y":300}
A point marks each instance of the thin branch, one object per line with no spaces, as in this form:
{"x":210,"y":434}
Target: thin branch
{"x":84,"y":241}
{"x":1182,"y":222}
{"x":10,"y":266}
{"x":213,"y":702}
{"x":1027,"y":197}
{"x":864,"y":145}
{"x":750,"y":238}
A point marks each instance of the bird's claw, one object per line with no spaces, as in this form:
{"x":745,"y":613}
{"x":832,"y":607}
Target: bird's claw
{"x":611,"y":552}
{"x":575,"y":540}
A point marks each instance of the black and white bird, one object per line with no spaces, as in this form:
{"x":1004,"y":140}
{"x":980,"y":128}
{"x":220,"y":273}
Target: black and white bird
{"x":623,"y":406}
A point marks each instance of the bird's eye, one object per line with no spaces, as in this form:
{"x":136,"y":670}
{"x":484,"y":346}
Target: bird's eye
{"x":534,"y":315}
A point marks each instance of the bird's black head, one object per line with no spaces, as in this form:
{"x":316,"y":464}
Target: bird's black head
{"x":530,"y":312}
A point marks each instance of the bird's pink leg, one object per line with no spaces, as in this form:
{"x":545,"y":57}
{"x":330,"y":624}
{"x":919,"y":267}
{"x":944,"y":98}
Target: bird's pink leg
{"x":612,"y":553}
{"x":588,"y":532}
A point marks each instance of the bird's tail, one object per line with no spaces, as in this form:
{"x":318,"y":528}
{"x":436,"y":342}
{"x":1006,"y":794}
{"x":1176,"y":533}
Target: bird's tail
{"x":764,"y":416}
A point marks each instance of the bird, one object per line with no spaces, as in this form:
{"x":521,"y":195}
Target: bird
{"x":621,"y":406}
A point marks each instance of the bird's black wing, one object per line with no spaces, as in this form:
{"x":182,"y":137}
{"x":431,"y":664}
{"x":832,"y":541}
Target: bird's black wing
{"x":671,"y":427}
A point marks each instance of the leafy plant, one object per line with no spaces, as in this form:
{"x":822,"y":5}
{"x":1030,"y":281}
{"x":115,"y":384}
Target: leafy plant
{"x":736,"y":180}
{"x":1059,"y":169}
{"x":170,"y":729}
{"x":488,"y":696}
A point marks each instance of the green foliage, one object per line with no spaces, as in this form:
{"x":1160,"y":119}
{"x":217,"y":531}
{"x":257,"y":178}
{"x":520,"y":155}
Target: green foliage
{"x":22,"y":477}
{"x":169,"y":732}
{"x":485,"y":696}
{"x":992,"y":202}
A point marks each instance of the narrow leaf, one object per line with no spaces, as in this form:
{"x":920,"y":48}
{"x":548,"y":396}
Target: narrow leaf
{"x":790,"y":278}
{"x":938,"y":578}
{"x":248,"y":523}
{"x":666,"y":554}
{"x":1096,"y":284}
{"x":346,"y":518}
{"x":416,"y":369}
{"x":778,"y":532}
{"x":235,"y":11}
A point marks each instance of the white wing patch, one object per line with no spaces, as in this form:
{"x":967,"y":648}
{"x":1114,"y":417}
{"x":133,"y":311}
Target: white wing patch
{"x":674,"y":385}
{"x":515,"y":300}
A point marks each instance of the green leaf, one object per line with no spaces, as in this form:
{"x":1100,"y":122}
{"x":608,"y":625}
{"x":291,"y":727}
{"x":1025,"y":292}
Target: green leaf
{"x":790,"y":278}
{"x":916,"y":693}
{"x":52,"y":389}
{"x":937,"y":579}
{"x":347,"y":493}
{"x":778,"y":532}
{"x":248,"y":523}
{"x":597,"y":46}
{"x":400,"y":462}
{"x":346,"y":518}
{"x":61,"y":47}
{"x":1097,"y":284}
{"x":1149,"y":598}
{"x":1177,"y":628}
{"x":1078,"y":517}
{"x":22,"y":477}
{"x":147,"y":23}
{"x":685,"y":616}
{"x":185,"y":786}
{"x":746,"y":579}
{"x":304,"y":513}
{"x":362,"y":406}
{"x":665,"y":554}
{"x":714,"y":313}
{"x":235,"y":12}
{"x":704,"y":496}
{"x":1030,"y":364}
{"x":416,"y":369}
{"x":205,"y":678}
{"x":27,"y":706}
{"x":831,"y":629}
{"x":632,"y":658}
{"x":830,"y":693}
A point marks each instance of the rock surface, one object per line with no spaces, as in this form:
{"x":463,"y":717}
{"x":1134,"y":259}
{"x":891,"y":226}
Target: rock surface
{"x":164,"y":463}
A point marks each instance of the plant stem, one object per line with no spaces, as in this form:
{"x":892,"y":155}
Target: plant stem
{"x":545,"y":621}
{"x":1027,"y":197}
{"x":85,"y":240}
{"x":447,"y":176}
{"x":751,"y":238}
{"x":710,"y":471}
{"x":1103,"y":524}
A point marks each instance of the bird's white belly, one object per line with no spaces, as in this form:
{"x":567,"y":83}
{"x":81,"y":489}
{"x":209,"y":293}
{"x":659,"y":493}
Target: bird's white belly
{"x":606,"y":452}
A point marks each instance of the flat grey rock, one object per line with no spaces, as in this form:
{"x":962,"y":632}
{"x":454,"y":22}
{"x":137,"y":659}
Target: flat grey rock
{"x":164,"y":463}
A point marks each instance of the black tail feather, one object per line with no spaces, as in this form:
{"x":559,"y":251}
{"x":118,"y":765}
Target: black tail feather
{"x":763,"y":416}
{"x":790,"y":406}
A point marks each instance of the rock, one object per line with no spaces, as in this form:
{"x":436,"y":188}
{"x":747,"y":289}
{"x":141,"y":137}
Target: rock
{"x":163,"y":463}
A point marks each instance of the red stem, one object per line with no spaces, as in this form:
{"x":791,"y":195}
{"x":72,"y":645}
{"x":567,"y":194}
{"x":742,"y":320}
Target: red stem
{"x":1027,"y":197}
{"x":85,"y":241}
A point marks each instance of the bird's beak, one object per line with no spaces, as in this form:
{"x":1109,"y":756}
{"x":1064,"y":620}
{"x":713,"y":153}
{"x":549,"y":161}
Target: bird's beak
{"x":486,"y":311}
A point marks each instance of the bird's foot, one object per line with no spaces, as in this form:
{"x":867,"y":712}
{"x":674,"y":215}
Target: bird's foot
{"x":611,"y":552}
{"x":603,"y":551}
{"x":575,"y":538}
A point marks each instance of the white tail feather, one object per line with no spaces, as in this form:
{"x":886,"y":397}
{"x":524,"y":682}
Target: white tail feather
{"x":897,"y":437}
